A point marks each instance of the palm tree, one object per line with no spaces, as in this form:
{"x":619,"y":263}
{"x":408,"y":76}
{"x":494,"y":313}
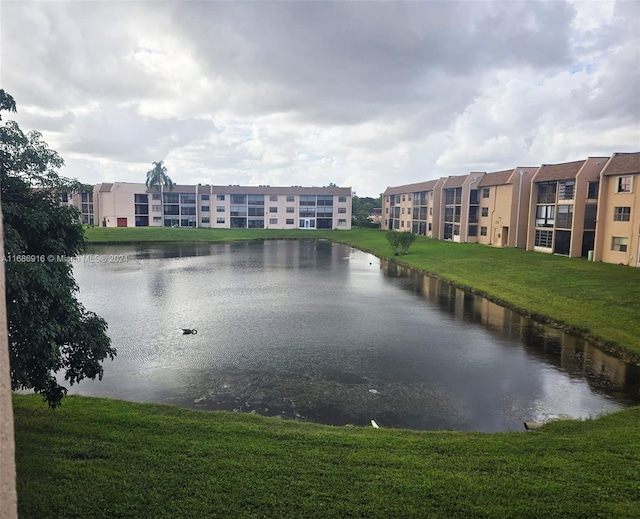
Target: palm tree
{"x":157,"y":176}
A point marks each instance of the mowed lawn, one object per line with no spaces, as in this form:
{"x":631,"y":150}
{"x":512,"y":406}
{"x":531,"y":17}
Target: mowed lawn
{"x":597,"y":299}
{"x":95,"y":458}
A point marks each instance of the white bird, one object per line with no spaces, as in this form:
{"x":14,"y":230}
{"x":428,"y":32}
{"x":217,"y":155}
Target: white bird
{"x":374,"y":424}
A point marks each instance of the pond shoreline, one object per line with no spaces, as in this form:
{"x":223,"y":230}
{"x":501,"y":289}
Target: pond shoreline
{"x":606,"y":346}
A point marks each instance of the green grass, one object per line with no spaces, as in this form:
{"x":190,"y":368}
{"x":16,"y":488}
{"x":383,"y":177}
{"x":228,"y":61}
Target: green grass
{"x":107,"y":458}
{"x":598,"y":300}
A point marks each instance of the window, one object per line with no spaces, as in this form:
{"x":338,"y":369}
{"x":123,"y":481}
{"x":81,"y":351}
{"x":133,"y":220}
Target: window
{"x":485,"y":192}
{"x":547,"y":192}
{"x":291,"y":198}
{"x":238,"y":199}
{"x":543,"y":239}
{"x":273,"y":198}
{"x":273,"y":209}
{"x":343,"y":210}
{"x":205,"y":208}
{"x":156,"y":208}
{"x":386,"y":210}
{"x":485,"y":211}
{"x":289,"y":221}
{"x":171,"y":198}
{"x":483,"y":231}
{"x":157,"y":219}
{"x":307,"y":199}
{"x":343,"y":199}
{"x":220,"y":220}
{"x":623,"y":184}
{"x":204,"y":197}
{"x":291,"y":209}
{"x":342,"y":222}
{"x":545,"y":215}
{"x":255,"y":200}
{"x":188,"y":198}
{"x":238,"y":210}
{"x":155,"y":196}
{"x":205,"y":219}
{"x":220,"y":209}
{"x":402,"y":223}
{"x":621,"y":214}
{"x":397,"y":199}
{"x":619,"y":244}
{"x":566,"y":189}
{"x":473,"y":230}
{"x":220,"y":198}
{"x":590,"y":211}
{"x":592,"y":190}
{"x":403,"y":210}
{"x":404,"y":198}
{"x":256,"y":211}
{"x":273,"y":221}
{"x":564,"y":218}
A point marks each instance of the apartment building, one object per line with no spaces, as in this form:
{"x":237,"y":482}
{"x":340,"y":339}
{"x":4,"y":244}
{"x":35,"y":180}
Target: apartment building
{"x":588,"y":208}
{"x":123,"y":204}
{"x":618,"y":214}
{"x":563,"y":206}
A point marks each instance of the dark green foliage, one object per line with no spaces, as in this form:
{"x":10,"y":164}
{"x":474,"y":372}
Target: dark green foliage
{"x":400,"y":241}
{"x":49,"y":330}
{"x":157,"y":176}
{"x":361,"y":209}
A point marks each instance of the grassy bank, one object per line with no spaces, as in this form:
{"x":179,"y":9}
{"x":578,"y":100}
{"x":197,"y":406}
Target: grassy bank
{"x":106,"y":458}
{"x":597,"y":299}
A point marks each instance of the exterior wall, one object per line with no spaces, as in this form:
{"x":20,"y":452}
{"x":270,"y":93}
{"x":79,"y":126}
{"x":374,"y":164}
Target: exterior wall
{"x":116,"y":201}
{"x":520,"y":196}
{"x":501,"y":226}
{"x":210,"y":206}
{"x":8,"y":494}
{"x":608,"y":228}
{"x":562,"y":237}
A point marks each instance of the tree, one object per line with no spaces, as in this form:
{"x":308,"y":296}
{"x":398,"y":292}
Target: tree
{"x":361,"y":209}
{"x":157,"y":176}
{"x":50,"y":332}
{"x":400,"y":241}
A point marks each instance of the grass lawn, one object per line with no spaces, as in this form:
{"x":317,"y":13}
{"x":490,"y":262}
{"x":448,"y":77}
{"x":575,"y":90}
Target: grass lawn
{"x":107,"y":458}
{"x":599,"y":300}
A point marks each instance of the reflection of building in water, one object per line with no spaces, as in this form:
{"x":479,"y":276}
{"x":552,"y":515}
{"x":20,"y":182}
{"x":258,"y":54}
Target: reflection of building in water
{"x":567,"y":352}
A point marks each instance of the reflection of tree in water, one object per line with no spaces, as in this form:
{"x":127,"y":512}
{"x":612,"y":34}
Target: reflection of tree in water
{"x":320,"y":399}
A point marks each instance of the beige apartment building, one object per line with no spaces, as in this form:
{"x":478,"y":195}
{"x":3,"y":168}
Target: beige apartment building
{"x":588,"y":208}
{"x":564,"y":201}
{"x":123,"y":204}
{"x":618,"y":216}
{"x":488,"y":208}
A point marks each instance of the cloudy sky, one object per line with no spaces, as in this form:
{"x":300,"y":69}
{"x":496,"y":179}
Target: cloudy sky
{"x":362,"y":94}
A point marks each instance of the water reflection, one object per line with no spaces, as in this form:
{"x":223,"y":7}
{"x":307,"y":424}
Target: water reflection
{"x":575,"y":356}
{"x":318,"y":331}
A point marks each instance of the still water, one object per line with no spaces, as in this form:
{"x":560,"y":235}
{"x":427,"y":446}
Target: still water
{"x":322,"y":332}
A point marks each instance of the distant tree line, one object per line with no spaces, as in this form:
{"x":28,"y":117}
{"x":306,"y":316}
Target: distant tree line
{"x":361,"y":209}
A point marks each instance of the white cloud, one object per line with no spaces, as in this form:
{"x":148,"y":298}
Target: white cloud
{"x":367,"y":94}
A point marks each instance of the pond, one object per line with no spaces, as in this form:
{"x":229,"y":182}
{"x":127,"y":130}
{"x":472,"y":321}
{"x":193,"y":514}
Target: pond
{"x":323,"y":332}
